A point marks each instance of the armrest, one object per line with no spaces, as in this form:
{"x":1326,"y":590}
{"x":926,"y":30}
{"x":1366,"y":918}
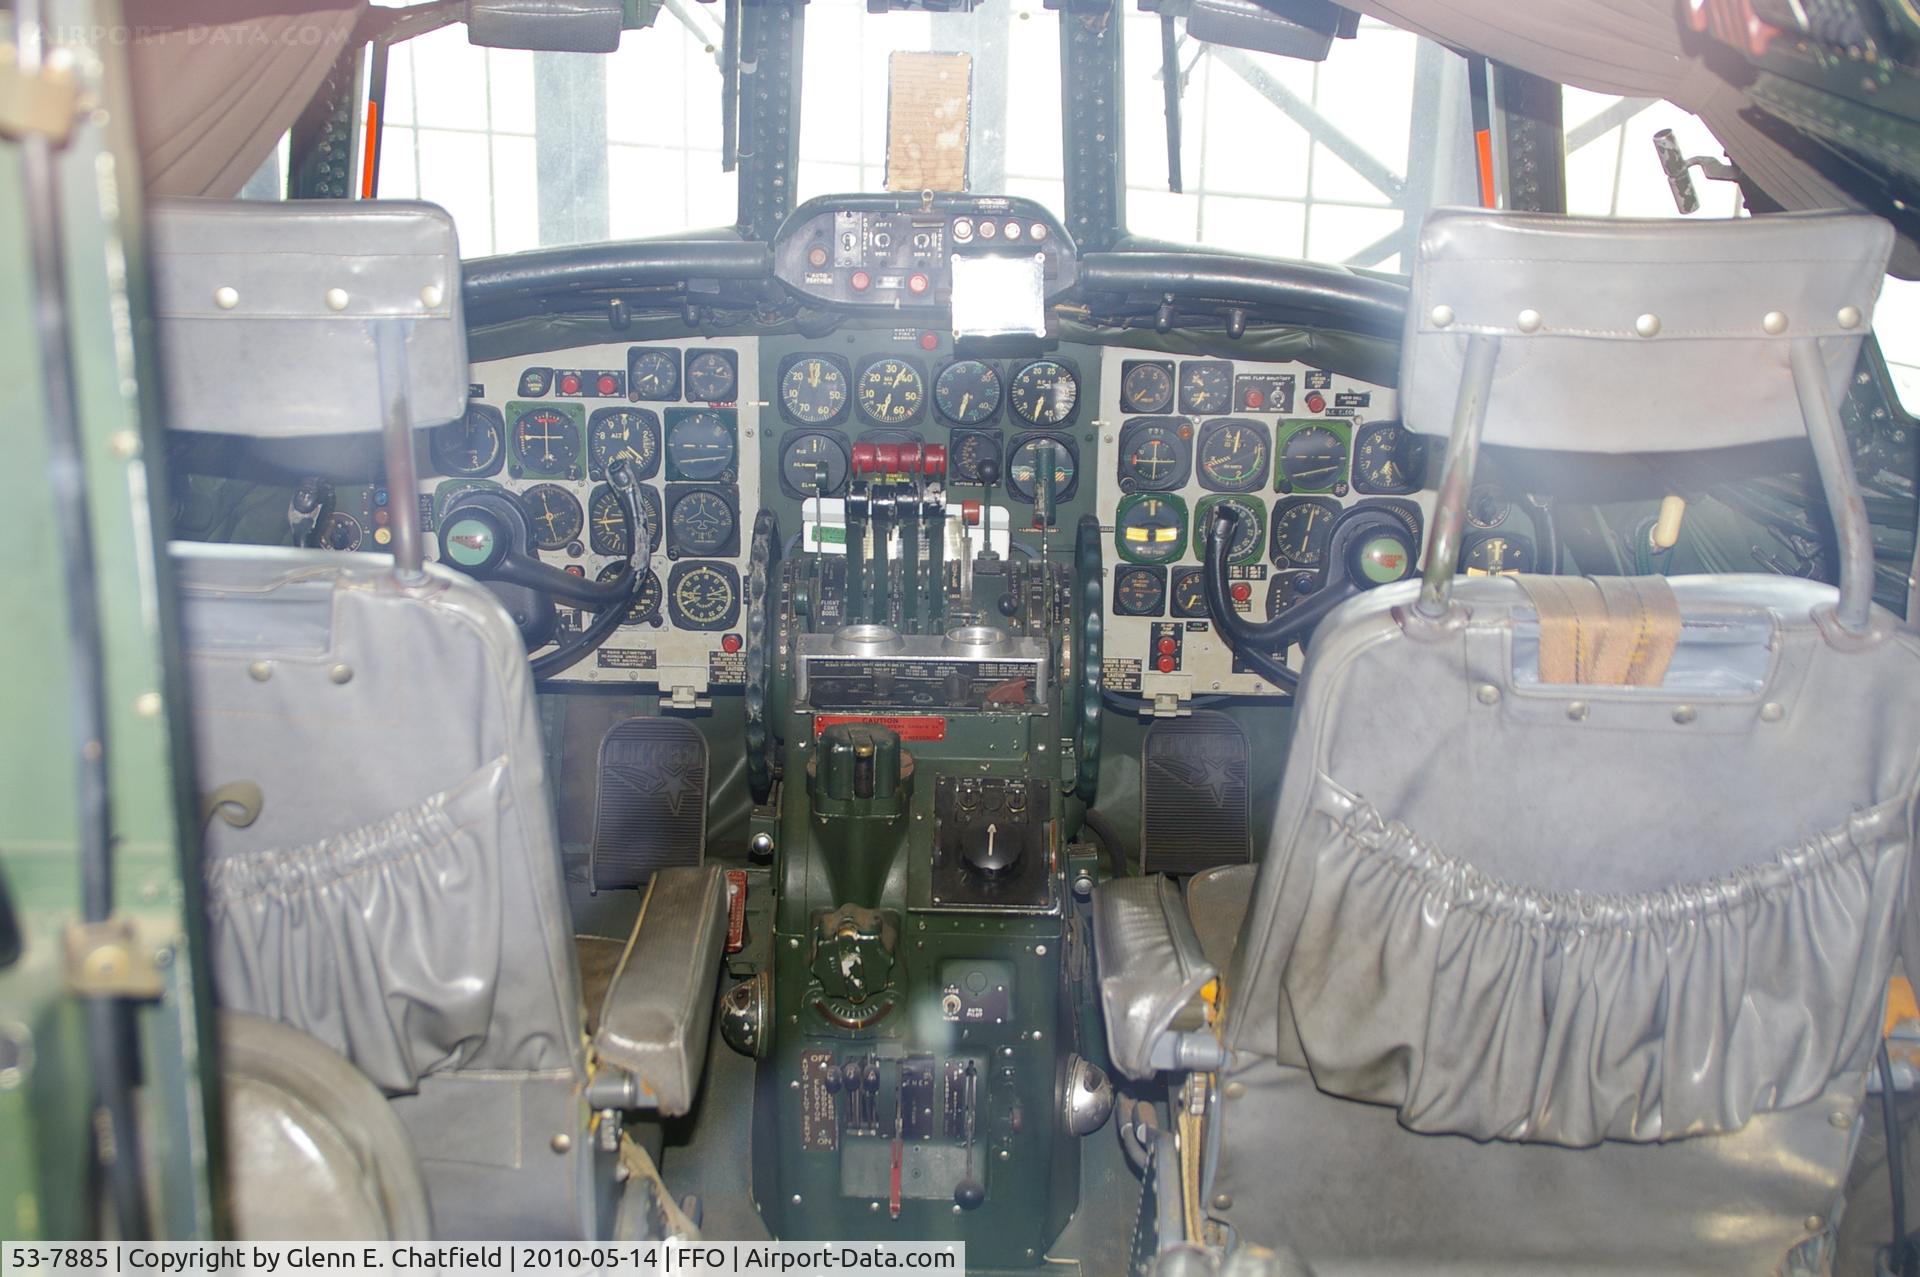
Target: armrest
{"x":659,"y":1005}
{"x":1151,"y":972}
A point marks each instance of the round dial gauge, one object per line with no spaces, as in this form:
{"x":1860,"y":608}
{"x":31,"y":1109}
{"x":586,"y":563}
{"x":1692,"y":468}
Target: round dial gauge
{"x":1139,"y":590}
{"x":1314,"y":459}
{"x":967,"y":392}
{"x":1388,"y":458}
{"x":607,"y":529}
{"x":700,"y":447}
{"x":646,"y":610}
{"x":1188,"y":594}
{"x":712,"y":377}
{"x":813,"y":464}
{"x":546,"y":440}
{"x":1155,"y":454}
{"x":1206,"y":386}
{"x":623,"y":434}
{"x":471,"y":447}
{"x":1497,"y":555}
{"x":1151,"y":529}
{"x":1233,"y":456}
{"x":1250,"y":534}
{"x":1044,"y":393}
{"x":969,"y":448}
{"x":1022,"y":469}
{"x":703,"y":596}
{"x":653,"y":374}
{"x":1146,"y":387}
{"x":701,"y":522}
{"x":813,"y":390}
{"x":890,"y":392}
{"x":1301,"y":530}
{"x":341,"y":531}
{"x":1487,"y":506}
{"x":554,"y":519}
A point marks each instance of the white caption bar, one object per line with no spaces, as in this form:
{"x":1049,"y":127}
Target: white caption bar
{"x":514,"y":1259}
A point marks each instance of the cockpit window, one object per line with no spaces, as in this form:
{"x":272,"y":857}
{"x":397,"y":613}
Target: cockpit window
{"x":530,"y":150}
{"x":1014,"y":139}
{"x":1333,"y":161}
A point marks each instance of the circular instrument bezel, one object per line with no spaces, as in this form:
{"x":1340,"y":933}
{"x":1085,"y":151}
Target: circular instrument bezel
{"x":684,"y":577}
{"x":974,"y":414}
{"x":1156,"y":377}
{"x":1030,"y":412}
{"x":1159,"y":474}
{"x":559,"y":442}
{"x":647,"y":610}
{"x":1154,"y":575}
{"x":1334,"y":480}
{"x":447,"y":439}
{"x":1206,"y":386}
{"x":722,"y":543}
{"x":544,"y":530}
{"x":1256,"y":478}
{"x":793,"y":441}
{"x":644,"y":457}
{"x":671,"y":440}
{"x":1412,"y":455}
{"x":1319,"y":532}
{"x":664,"y":358}
{"x":606,"y":525}
{"x":1154,"y":504}
{"x":836,"y":412}
{"x":705,"y":357}
{"x":1253,"y":540}
{"x":902,"y":381}
{"x":1015,"y":446}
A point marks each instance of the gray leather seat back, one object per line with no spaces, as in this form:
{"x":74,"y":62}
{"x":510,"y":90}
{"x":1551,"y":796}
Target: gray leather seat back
{"x":1576,"y":970}
{"x":400,"y":894}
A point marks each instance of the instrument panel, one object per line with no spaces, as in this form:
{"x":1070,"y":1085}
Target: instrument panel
{"x":1289,"y":446}
{"x":685,"y":414}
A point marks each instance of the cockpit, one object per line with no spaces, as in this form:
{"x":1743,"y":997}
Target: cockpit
{"x":1212,"y":637}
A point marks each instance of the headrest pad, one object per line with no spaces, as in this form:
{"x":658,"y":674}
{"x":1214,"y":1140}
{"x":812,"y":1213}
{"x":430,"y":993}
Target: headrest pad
{"x":1636,"y":335}
{"x":266,"y":313}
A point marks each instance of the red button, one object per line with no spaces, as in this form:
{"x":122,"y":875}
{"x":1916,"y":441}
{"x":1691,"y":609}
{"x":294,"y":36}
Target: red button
{"x":888,"y":456}
{"x":574,"y":569}
{"x":729,"y":642}
{"x":1166,"y":646}
{"x":381,"y":518}
{"x":933,"y":460}
{"x":911,"y":455}
{"x":970,"y":513}
{"x":1165,"y":665}
{"x":816,"y":257}
{"x":860,"y":281}
{"x":929,"y":340}
{"x":569,"y":384}
{"x":916,"y":283}
{"x":864,"y":460}
{"x":1316,"y":402}
{"x":609,"y":384}
{"x":1240,"y":591}
{"x":1255,"y":400}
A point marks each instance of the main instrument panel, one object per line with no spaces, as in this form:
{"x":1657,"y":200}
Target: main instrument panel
{"x":1148,"y":442}
{"x":685,"y":415}
{"x":1291,"y":447}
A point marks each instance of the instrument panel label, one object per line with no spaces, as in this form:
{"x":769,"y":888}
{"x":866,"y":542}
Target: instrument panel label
{"x":727,"y":669}
{"x":621,"y":658}
{"x":923,"y":727}
{"x":819,"y":1124}
{"x":1120,"y":674}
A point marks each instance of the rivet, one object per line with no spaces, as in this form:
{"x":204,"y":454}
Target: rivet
{"x":1684,"y":714}
{"x":874,"y":1207}
{"x":1772,"y":712}
{"x":147,"y":705}
{"x":432,"y":295}
{"x":341,"y":673}
{"x":1234,"y":1090}
{"x":1040,"y":950}
{"x":1223,"y":1201}
{"x":226,"y":297}
{"x":124,"y":443}
{"x":1774,"y":322}
{"x":1442,"y":316}
{"x":1840,"y":1118}
{"x":956,"y":1205}
{"x":260,"y":671}
{"x":796,"y":1199}
{"x":1577,"y":711}
{"x":1528,"y":320}
{"x":1006,"y":1154}
{"x":793,"y":942}
{"x":1648,"y":325}
{"x":1814,"y":1223}
{"x":1486,"y":694}
{"x":561,"y":1142}
{"x":1849,"y":317}
{"x":336,"y":299}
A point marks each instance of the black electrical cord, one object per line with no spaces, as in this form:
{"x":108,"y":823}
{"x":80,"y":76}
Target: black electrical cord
{"x":570,"y":654}
{"x":110,"y":1048}
{"x":1903,"y":1250}
{"x":1110,"y":839}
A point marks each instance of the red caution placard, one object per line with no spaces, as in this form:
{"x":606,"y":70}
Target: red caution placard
{"x":905,"y":726}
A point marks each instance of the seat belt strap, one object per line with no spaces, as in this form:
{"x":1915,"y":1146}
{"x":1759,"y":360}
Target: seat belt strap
{"x":1604,"y":631}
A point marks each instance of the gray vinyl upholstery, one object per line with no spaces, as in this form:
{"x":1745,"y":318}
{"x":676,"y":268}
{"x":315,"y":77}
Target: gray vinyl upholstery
{"x":269,"y":311}
{"x":1583,"y":285}
{"x":561,"y":26}
{"x":659,"y":1006}
{"x":399,"y":894}
{"x":1558,"y":975}
{"x":1151,"y":968}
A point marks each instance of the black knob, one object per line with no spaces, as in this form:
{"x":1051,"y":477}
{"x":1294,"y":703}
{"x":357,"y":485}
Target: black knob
{"x":833,"y":1082}
{"x":1009,"y":604}
{"x":989,"y":471}
{"x":969,"y":1193}
{"x":991,"y":846}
